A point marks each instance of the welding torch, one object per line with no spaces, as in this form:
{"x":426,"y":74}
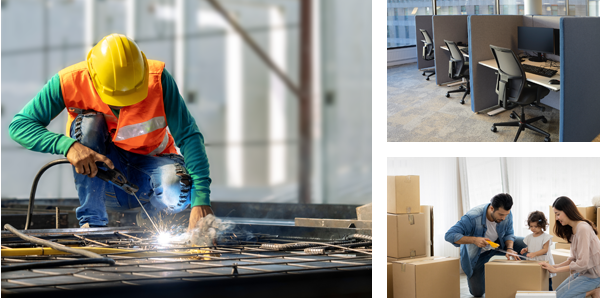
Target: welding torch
{"x":496,"y":246}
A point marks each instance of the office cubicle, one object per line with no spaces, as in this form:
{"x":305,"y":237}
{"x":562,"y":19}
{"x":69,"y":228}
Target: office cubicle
{"x":452,"y":28}
{"x":578,"y":100}
{"x":423,"y":22}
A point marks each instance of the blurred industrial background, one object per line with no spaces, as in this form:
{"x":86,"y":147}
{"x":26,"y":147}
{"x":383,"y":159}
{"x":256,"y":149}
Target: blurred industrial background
{"x":250,"y":119}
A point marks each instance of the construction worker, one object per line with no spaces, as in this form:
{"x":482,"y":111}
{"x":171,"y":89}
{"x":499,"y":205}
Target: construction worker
{"x":119,"y":106}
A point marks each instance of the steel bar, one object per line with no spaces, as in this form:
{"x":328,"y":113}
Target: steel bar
{"x":57,"y":217}
{"x":52,"y":244}
{"x":305,"y":125}
{"x":90,"y":240}
{"x":254,"y":46}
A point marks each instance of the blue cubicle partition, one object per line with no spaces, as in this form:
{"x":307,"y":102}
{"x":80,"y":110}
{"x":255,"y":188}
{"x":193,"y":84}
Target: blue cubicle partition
{"x":579,"y":79}
{"x":423,"y":22}
{"x":452,"y":28}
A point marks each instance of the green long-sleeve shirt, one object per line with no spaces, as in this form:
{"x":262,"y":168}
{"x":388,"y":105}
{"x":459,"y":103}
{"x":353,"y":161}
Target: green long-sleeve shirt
{"x":28,"y":128}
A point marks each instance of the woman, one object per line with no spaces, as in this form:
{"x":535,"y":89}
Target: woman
{"x":584,"y":263}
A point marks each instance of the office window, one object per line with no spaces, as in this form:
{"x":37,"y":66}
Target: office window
{"x":554,"y":10}
{"x":404,"y":28}
{"x":521,"y":9}
{"x":464,"y":7}
{"x":594,"y":9}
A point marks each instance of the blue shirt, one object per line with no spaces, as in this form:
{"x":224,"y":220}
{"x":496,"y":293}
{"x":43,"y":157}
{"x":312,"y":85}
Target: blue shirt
{"x":473,"y":224}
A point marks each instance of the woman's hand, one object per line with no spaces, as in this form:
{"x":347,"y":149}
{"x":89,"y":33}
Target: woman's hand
{"x":548,"y":267}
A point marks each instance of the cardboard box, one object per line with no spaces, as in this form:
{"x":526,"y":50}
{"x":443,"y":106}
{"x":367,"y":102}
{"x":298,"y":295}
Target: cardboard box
{"x":590,"y":213}
{"x":365,"y":212}
{"x":566,"y":246}
{"x":403,"y":194}
{"x":536,"y":294}
{"x":427,"y":277}
{"x":406,"y":235}
{"x":428,"y":211}
{"x":560,"y":255}
{"x":390,"y":281}
{"x":504,"y":278}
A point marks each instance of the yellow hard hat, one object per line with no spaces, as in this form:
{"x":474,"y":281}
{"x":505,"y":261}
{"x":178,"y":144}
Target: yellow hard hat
{"x":119,"y":70}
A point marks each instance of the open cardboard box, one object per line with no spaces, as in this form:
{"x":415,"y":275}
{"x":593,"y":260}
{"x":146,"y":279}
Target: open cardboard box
{"x":504,"y":278}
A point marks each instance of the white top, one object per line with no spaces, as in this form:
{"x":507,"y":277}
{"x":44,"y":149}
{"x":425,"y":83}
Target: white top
{"x":491,"y":232}
{"x":536,"y":243}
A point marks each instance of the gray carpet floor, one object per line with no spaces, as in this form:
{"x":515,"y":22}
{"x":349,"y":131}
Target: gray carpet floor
{"x":418,"y":111}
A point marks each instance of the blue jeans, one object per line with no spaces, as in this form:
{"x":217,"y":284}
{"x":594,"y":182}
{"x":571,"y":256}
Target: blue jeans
{"x":164,"y":184}
{"x":477,"y":280}
{"x":578,"y":287}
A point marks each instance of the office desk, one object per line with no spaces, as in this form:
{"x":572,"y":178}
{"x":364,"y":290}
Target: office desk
{"x":445,"y":48}
{"x":537,"y":79}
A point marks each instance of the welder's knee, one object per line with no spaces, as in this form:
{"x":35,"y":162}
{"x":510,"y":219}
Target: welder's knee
{"x":90,"y":130}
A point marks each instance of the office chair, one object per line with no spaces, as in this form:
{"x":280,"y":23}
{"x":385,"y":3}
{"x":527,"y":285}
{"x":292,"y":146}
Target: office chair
{"x":427,"y":51}
{"x":459,"y":69}
{"x":511,"y":83}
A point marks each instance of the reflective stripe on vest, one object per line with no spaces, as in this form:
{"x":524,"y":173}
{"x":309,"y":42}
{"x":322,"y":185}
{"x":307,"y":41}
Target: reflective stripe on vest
{"x":162,"y":146}
{"x":136,"y":130}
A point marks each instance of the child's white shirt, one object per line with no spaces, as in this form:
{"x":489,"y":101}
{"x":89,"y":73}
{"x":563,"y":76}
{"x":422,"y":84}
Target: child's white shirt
{"x":535,"y":244}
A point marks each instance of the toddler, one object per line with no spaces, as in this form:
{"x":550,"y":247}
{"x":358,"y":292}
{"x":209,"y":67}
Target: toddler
{"x":538,"y":243}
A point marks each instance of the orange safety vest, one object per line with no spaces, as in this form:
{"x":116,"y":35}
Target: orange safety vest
{"x":141,"y":128}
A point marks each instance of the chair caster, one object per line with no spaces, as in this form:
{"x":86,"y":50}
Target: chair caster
{"x":423,"y":74}
{"x":547,"y":139}
{"x":447,"y":94}
{"x":512,"y":116}
{"x":544,"y":120}
{"x":462,"y":102}
{"x":427,"y":79}
{"x":494,"y":128}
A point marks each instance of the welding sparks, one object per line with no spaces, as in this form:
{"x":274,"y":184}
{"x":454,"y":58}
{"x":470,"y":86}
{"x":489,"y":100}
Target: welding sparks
{"x":164,"y":238}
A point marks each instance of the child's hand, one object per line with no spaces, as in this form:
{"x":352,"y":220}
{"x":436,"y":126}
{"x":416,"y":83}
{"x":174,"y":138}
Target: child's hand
{"x":524,"y":250}
{"x":530,"y":255}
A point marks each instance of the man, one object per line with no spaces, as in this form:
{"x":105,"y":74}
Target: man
{"x":488,"y":222}
{"x":119,"y":106}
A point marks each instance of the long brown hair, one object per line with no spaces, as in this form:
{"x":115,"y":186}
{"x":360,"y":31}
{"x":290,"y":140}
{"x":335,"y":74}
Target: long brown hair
{"x":567,"y":206}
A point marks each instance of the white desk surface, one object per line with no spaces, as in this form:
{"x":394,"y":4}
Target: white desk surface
{"x":540,"y":80}
{"x":445,"y":48}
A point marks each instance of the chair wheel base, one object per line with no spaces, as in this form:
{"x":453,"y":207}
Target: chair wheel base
{"x":512,"y":116}
{"x":547,"y":139}
{"x":494,"y":129}
{"x":447,"y":94}
{"x":462,"y":102}
{"x":427,"y":79}
{"x":544,"y":120}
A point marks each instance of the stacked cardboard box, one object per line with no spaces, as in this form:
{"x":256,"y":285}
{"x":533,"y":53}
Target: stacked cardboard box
{"x":390,"y":281}
{"x":504,"y":278}
{"x":403,"y":194}
{"x":427,"y":277}
{"x":406,"y":227}
{"x":590,"y":213}
{"x":560,"y":255}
